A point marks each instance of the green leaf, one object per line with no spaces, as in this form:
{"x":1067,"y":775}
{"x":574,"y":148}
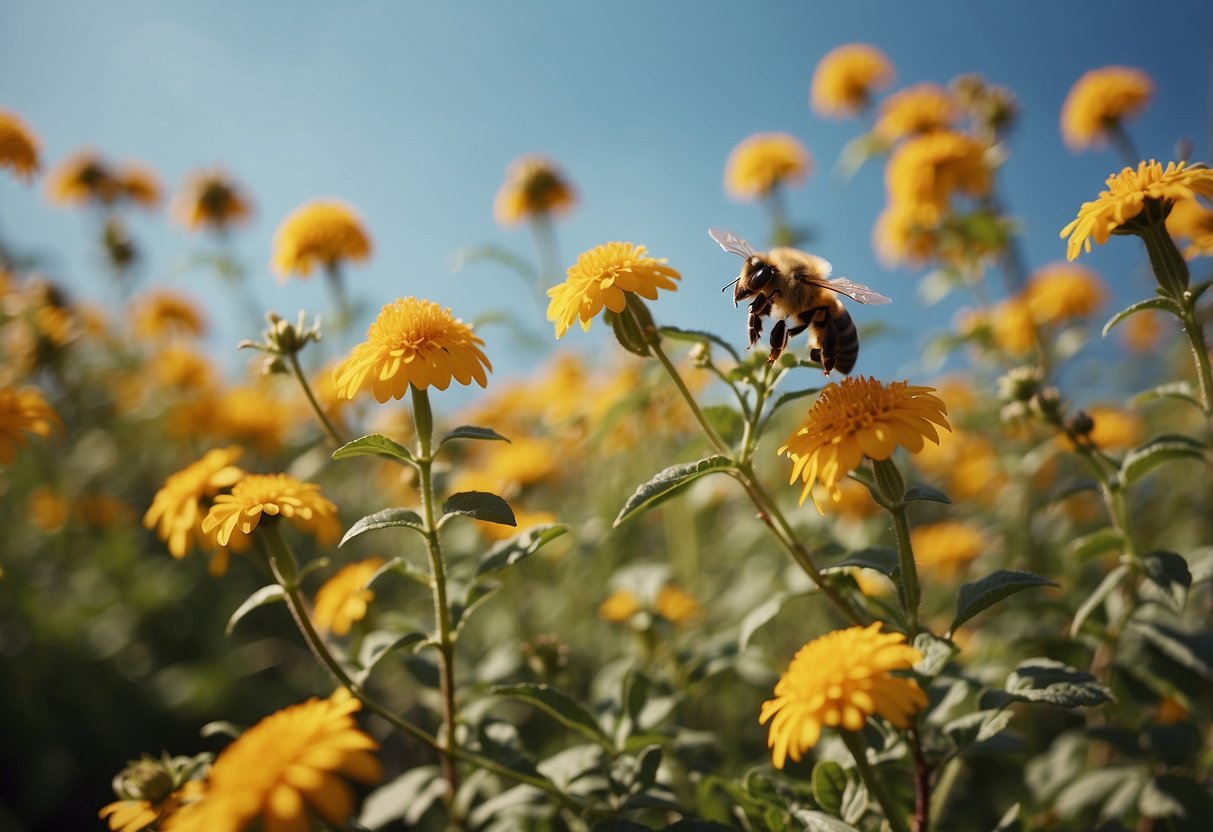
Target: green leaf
{"x":1179,"y":390}
{"x":815,"y":821}
{"x":472,"y":432}
{"x":1176,"y":796}
{"x":697,"y":337}
{"x":479,"y":505}
{"x":1113,"y":790}
{"x":924,"y":492}
{"x":979,"y":595}
{"x":935,"y":651}
{"x":792,"y":396}
{"x":829,"y":782}
{"x":477,"y":594}
{"x":977,"y":727}
{"x":754,"y":620}
{"x":885,"y":561}
{"x":406,"y":798}
{"x":1192,"y":651}
{"x":1169,"y":572}
{"x":1164,"y":304}
{"x":1141,"y":460}
{"x":1052,"y":682}
{"x":1106,"y":587}
{"x":629,"y":326}
{"x":375,"y":444}
{"x":726,"y":421}
{"x":1197,"y":290}
{"x":665,"y":483}
{"x":378,"y":644}
{"x":387,"y":518}
{"x":1011,"y":820}
{"x":265,"y":595}
{"x":560,"y":706}
{"x":519,"y":547}
{"x":1099,"y":542}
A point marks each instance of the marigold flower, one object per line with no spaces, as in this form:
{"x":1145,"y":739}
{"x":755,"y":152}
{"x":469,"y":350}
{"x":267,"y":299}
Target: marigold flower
{"x":413,"y":342}
{"x":210,"y":199}
{"x":1129,"y":194}
{"x":922,"y":108}
{"x":176,"y":509}
{"x":838,"y":681}
{"x":137,"y":815}
{"x":163,"y":313}
{"x":1100,"y":100}
{"x":323,"y":232}
{"x":1061,"y":291}
{"x":946,"y":548}
{"x":258,"y":495}
{"x":925,"y":171}
{"x":967,"y":463}
{"x":343,"y":598}
{"x":82,"y":178}
{"x":23,"y":411}
{"x":619,"y":606}
{"x":534,"y":186}
{"x":253,"y":414}
{"x":675,"y":604}
{"x":290,"y":765}
{"x":762,"y":161}
{"x":845,"y":78}
{"x":860,"y":418}
{"x":900,"y":236}
{"x":1193,"y":221}
{"x":182,"y":368}
{"x":601,"y":277}
{"x":19,"y":147}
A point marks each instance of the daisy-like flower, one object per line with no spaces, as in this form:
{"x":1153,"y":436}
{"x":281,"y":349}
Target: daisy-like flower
{"x":343,"y":598}
{"x":19,"y":147}
{"x":23,"y":411}
{"x":619,"y":606}
{"x":176,"y":509}
{"x":250,"y":413}
{"x":150,"y":791}
{"x":860,"y":418}
{"x":1190,"y":219}
{"x":289,"y":766}
{"x":838,"y":681}
{"x":413,"y":342}
{"x":1062,"y":291}
{"x":845,"y":78}
{"x":510,"y":467}
{"x":256,"y":496}
{"x":925,"y":171}
{"x":181,"y":368}
{"x":162,"y":313}
{"x":922,"y":108}
{"x":324,"y":233}
{"x":946,"y":548}
{"x":1135,"y":198}
{"x":1099,"y":101}
{"x":762,"y":161}
{"x":1013,"y":325}
{"x":137,"y":815}
{"x":534,"y":186}
{"x":139,"y":184}
{"x":209,"y":199}
{"x":899,"y":236}
{"x":601,"y":277}
{"x":82,"y":178}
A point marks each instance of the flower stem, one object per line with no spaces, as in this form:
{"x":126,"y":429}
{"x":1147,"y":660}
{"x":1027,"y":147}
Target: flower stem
{"x":1120,"y":137}
{"x":345,"y":312}
{"x":546,"y":252}
{"x":331,"y":431}
{"x":873,"y":782}
{"x":892,"y":488}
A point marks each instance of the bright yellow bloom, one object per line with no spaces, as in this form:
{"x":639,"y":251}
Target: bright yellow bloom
{"x":966,"y":463}
{"x":181,"y":368}
{"x":510,"y":467}
{"x":162,"y":313}
{"x":1193,"y":221}
{"x":900,"y":236}
{"x":1060,"y":292}
{"x":1115,"y":429}
{"x":925,"y":171}
{"x":1149,"y":189}
{"x":137,"y":815}
{"x":1013,"y":326}
{"x":19,"y":147}
{"x":675,"y":604}
{"x":619,"y":606}
{"x":253,"y":414}
{"x":273,"y":495}
{"x":210,"y":199}
{"x":176,"y":509}
{"x":922,"y":108}
{"x":845,"y":78}
{"x":343,"y":598}
{"x":1100,"y":100}
{"x":762,"y":161}
{"x":601,"y":277}
{"x":413,"y":342}
{"x":944,"y":549}
{"x":23,"y":411}
{"x":140,"y":185}
{"x":290,"y":765}
{"x":838,"y":681}
{"x":324,"y":233}
{"x":82,"y":178}
{"x":860,"y":418}
{"x":533,"y":187}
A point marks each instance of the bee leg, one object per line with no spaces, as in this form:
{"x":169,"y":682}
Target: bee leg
{"x":761,"y":306}
{"x":779,"y":340}
{"x":821,"y":336}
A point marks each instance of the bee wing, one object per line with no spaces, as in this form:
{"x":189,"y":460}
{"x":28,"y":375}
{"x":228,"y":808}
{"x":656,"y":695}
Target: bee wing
{"x":731,"y":243}
{"x":855,"y":291}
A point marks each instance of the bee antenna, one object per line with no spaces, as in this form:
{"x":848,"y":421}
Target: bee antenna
{"x":730,"y":283}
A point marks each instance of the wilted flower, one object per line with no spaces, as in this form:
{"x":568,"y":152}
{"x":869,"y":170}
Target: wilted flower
{"x":176,"y":510}
{"x":946,"y":548}
{"x":210,"y":199}
{"x":271,"y":495}
{"x":23,"y":411}
{"x":922,"y":108}
{"x":1100,"y":100}
{"x":601,"y":277}
{"x":533,"y":187}
{"x":19,"y":147}
{"x":324,"y":233}
{"x":763,"y":161}
{"x":845,"y":78}
{"x":343,"y":598}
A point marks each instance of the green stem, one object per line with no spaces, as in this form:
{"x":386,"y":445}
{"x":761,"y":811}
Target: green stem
{"x":892,"y":488}
{"x":654,"y":341}
{"x":546,"y":252}
{"x":1123,"y":142}
{"x":873,"y":782}
{"x":336,"y":281}
{"x":331,"y":431}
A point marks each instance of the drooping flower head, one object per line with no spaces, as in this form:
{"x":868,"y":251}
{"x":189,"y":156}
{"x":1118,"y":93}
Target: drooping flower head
{"x":324,"y":233}
{"x":289,"y":766}
{"x":210,"y":199}
{"x":23,"y":411}
{"x":1099,"y":101}
{"x":257,"y":496}
{"x":845,"y":78}
{"x":860,"y":418}
{"x":922,"y":108}
{"x":163,"y":313}
{"x":761,"y":162}
{"x":924,"y":172}
{"x":343,"y":599}
{"x":176,"y":509}
{"x":601,"y":277}
{"x":19,"y":147}
{"x":1150,"y":189}
{"x":534,"y":186}
{"x":412,"y":342}
{"x":838,"y":681}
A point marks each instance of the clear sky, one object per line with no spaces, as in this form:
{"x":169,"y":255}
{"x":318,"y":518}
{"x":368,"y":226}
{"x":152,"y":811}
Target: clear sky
{"x":412,"y":110}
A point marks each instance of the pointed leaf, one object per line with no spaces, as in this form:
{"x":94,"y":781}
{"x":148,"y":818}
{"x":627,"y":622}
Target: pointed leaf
{"x":265,"y":595}
{"x":815,"y":821}
{"x":560,"y":706}
{"x":628,"y":333}
{"x":883,"y":560}
{"x":829,"y":783}
{"x":1179,"y":390}
{"x":1010,"y":820}
{"x":697,"y":337}
{"x":1165,"y":304}
{"x":406,"y":798}
{"x":472,"y":432}
{"x":387,"y":518}
{"x":665,"y":483}
{"x":509,"y":552}
{"x":374,"y":444}
{"x":1052,"y":682}
{"x":403,"y":567}
{"x":1099,"y":542}
{"x":792,"y":396}
{"x":477,"y":594}
{"x":379,"y":643}
{"x":1192,"y":651}
{"x":753,"y":621}
{"x":1139,"y":461}
{"x":925,"y":492}
{"x":479,"y":505}
{"x":935,"y":651}
{"x":1169,"y":572}
{"x":980,"y":595}
{"x":1106,"y":587}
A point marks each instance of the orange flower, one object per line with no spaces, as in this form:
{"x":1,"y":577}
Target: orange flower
{"x":763,"y":161}
{"x":18,"y":146}
{"x":845,"y":78}
{"x":1099,"y":101}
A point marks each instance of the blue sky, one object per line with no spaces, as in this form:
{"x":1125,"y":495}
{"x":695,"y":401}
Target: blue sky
{"x":412,"y":111}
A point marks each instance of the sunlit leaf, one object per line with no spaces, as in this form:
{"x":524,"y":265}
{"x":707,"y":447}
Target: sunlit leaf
{"x":1052,"y":682}
{"x":374,"y":444}
{"x":665,"y":483}
{"x":472,"y":432}
{"x":1141,"y":460}
{"x":479,"y":505}
{"x":558,"y":705}
{"x":266,"y":595}
{"x":376,"y":645}
{"x":1093,"y":601}
{"x":925,"y":492}
{"x":1160,"y":303}
{"x":697,"y":337}
{"x":980,"y":595}
{"x":388,"y":518}
{"x":1169,"y":572}
{"x":509,"y":552}
{"x":829,"y":782}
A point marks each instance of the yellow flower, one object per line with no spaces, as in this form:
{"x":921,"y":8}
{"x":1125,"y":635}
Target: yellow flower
{"x":763,"y":161}
{"x":512,"y":466}
{"x":601,"y":277}
{"x":619,"y":606}
{"x":137,"y":815}
{"x":533,"y":187}
{"x":1149,"y":189}
{"x":343,"y":598}
{"x":162,"y":313}
{"x":292,"y":764}
{"x":944,"y":549}
{"x":1193,"y":221}
{"x":900,"y":236}
{"x":966,"y":463}
{"x":845,"y":78}
{"x":139,"y":184}
{"x":1013,"y":326}
{"x":922,"y":108}
{"x":18,"y":146}
{"x":838,"y":681}
{"x":209,"y":199}
{"x":23,"y":410}
{"x":675,"y":604}
{"x":860,"y":418}
{"x":324,"y":233}
{"x":413,"y":342}
{"x":1060,"y":291}
{"x":852,"y":501}
{"x":1142,"y":331}
{"x":1115,"y":428}
{"x":82,"y":178}
{"x":1100,"y":100}
{"x":925,"y":171}
{"x":176,"y":509}
{"x":183,"y":368}
{"x":258,"y":495}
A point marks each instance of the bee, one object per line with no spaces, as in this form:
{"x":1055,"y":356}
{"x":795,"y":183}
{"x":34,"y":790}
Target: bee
{"x":793,"y":284}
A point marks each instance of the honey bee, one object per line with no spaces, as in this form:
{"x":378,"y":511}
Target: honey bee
{"x":790,"y":283}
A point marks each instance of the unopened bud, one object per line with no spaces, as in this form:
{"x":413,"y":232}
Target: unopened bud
{"x":700,"y":356}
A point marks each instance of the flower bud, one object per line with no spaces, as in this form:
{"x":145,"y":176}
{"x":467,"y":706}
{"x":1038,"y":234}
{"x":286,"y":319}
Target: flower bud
{"x":1020,"y":384}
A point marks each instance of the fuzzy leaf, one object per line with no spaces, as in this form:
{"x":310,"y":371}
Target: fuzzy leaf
{"x":1165,"y":304}
{"x":266,"y":595}
{"x":374,"y":444}
{"x":1192,"y":651}
{"x":829,"y":783}
{"x":1140,"y":461}
{"x":1099,"y":542}
{"x":519,"y":547}
{"x":979,"y":595}
{"x":1096,"y":598}
{"x":1169,"y":572}
{"x":387,"y":518}
{"x":815,"y":821}
{"x":1051,"y":682}
{"x":666,"y":482}
{"x":560,"y":706}
{"x":472,"y":432}
{"x":379,"y":643}
{"x":882,"y":560}
{"x":405,"y":798}
{"x":925,"y":492}
{"x":479,"y":505}
{"x":935,"y":653}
